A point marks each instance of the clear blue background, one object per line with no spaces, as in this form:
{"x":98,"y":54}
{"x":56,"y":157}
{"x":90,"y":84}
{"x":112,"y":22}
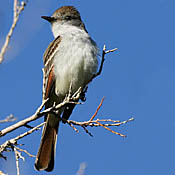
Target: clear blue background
{"x":138,"y":80}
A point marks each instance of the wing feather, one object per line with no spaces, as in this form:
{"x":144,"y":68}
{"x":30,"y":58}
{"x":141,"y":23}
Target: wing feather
{"x":49,"y":76}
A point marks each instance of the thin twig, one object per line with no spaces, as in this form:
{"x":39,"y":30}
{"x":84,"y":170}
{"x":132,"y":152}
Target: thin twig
{"x":17,"y":160}
{"x":2,"y":173}
{"x":102,"y":61}
{"x":25,"y":151}
{"x":11,"y":142}
{"x":93,"y":123}
{"x":110,"y":129}
{"x":92,"y":118}
{"x":105,"y":122}
{"x":96,"y":123}
{"x":71,"y":125}
{"x":86,"y":130}
{"x":27,"y":133}
{"x":17,"y":9}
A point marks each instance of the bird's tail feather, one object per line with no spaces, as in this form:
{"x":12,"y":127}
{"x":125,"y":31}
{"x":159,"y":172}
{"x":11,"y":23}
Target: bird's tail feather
{"x":46,"y":153}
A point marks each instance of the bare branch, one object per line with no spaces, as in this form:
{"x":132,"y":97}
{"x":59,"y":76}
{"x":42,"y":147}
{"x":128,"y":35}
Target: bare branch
{"x":96,"y":123}
{"x":92,"y":118}
{"x":17,"y":157}
{"x":10,"y":143}
{"x":71,"y":125}
{"x":17,"y":160}
{"x":26,"y":133}
{"x":2,"y":173}
{"x":17,"y":9}
{"x":86,"y":130}
{"x":25,"y":151}
{"x":102,"y":61}
{"x":105,"y":123}
{"x":23,"y":122}
{"x":122,"y":135}
{"x":39,"y":114}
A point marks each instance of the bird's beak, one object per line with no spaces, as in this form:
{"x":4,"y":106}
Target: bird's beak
{"x":48,"y":18}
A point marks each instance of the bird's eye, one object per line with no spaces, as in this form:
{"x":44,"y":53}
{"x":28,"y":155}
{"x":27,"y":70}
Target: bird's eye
{"x":68,"y":18}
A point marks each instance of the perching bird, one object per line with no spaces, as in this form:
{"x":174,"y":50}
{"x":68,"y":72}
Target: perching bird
{"x":69,"y":60}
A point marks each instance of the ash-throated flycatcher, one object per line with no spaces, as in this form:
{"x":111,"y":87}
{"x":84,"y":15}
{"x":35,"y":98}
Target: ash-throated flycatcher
{"x":69,"y":60}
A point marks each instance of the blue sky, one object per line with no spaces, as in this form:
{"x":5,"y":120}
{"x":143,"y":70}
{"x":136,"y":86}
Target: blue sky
{"x":138,"y":80}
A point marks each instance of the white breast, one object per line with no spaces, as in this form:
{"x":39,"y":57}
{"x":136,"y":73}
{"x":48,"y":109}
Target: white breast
{"x":75,"y":61}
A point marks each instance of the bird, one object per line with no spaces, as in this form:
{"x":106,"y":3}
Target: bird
{"x":71,"y":59}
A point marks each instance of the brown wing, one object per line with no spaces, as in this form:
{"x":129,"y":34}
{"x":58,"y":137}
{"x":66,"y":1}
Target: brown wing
{"x":50,"y":83}
{"x":49,"y":77}
{"x":51,"y":49}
